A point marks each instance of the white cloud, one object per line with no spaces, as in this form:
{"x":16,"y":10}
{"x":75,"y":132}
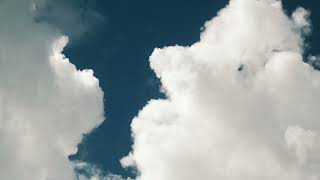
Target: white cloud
{"x":46,"y":104}
{"x":241,"y":103}
{"x":88,"y":171}
{"x":301,"y":18}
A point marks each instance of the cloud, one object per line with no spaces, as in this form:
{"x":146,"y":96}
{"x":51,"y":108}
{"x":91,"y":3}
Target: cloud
{"x":46,"y":104}
{"x":301,"y":19}
{"x":88,"y":171}
{"x":241,"y":103}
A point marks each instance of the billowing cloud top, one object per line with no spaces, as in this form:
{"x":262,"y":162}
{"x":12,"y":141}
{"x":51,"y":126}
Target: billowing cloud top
{"x":46,"y":104}
{"x":241,"y":103}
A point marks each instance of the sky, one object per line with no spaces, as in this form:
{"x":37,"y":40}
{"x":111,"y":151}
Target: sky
{"x":231,"y":84}
{"x":136,"y":28}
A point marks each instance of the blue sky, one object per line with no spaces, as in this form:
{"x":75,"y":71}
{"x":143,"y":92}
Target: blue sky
{"x":182,"y":92}
{"x":118,"y":50}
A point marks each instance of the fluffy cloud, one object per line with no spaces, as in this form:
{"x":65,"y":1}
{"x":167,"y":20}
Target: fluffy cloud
{"x":46,"y":104}
{"x":241,"y":103}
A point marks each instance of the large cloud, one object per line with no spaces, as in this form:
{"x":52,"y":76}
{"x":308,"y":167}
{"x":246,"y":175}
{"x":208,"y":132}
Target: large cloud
{"x":46,"y":104}
{"x":241,"y":103}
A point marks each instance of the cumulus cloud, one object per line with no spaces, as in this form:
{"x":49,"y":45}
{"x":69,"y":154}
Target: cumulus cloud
{"x":241,"y":103}
{"x":46,"y":104}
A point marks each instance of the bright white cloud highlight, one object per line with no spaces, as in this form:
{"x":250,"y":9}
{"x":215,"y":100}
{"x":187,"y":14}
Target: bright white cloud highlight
{"x":241,"y":103}
{"x":46,"y":104}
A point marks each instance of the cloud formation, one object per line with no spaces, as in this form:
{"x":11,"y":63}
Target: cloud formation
{"x":46,"y":104}
{"x":241,"y":103}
